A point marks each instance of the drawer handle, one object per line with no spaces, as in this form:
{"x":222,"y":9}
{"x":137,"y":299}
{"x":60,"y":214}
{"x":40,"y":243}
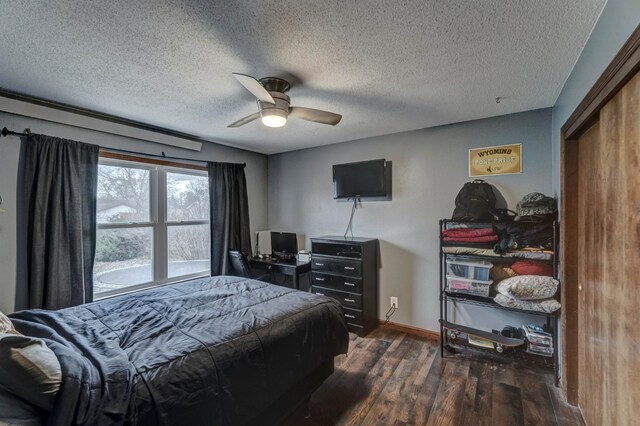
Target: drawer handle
{"x":349,"y":284}
{"x":350,"y":316}
{"x":319,"y":294}
{"x":319,"y":264}
{"x":349,"y":300}
{"x":319,"y":279}
{"x":349,"y":268}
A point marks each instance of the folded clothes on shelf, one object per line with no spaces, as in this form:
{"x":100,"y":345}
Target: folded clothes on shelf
{"x":470,"y":250}
{"x":528,"y":267}
{"x":469,"y":235}
{"x":530,"y":254}
{"x":518,"y":237}
{"x":467,"y":232}
{"x":501,"y":271}
{"x":481,"y":239}
{"x":478,"y":251}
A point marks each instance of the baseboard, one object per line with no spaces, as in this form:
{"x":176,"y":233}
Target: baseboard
{"x":427,"y":334}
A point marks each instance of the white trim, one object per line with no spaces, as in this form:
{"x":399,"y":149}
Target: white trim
{"x":27,"y":109}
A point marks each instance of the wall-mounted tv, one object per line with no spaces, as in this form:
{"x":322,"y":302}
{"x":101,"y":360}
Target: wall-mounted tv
{"x":364,"y":179}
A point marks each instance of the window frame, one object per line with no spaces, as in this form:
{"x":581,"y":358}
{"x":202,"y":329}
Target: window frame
{"x":158,"y":219}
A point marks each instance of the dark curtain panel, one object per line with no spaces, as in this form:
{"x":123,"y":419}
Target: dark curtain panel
{"x":229,"y":214}
{"x":60,"y":184}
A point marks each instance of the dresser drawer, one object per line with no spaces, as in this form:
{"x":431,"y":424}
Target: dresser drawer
{"x":337,"y":282}
{"x":337,"y":249}
{"x":345,"y":299}
{"x":353,"y":316}
{"x":336,"y":266}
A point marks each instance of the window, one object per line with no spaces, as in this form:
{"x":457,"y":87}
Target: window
{"x":153,"y":226}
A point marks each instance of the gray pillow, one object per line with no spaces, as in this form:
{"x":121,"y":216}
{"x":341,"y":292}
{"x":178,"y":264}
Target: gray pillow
{"x":30,"y":370}
{"x":547,"y":305}
{"x":14,"y":411}
{"x":528,"y":287}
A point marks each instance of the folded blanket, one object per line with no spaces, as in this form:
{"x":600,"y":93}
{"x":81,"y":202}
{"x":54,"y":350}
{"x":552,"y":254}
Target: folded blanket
{"x":527,"y":267}
{"x":467,"y":232}
{"x":470,"y":250}
{"x":528,"y":254}
{"x":481,"y":239}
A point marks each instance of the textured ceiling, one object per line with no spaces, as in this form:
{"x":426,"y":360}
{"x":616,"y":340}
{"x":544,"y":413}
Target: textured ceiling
{"x":386,"y":66}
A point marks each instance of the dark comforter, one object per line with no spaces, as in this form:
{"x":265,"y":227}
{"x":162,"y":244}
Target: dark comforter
{"x":210,"y":351}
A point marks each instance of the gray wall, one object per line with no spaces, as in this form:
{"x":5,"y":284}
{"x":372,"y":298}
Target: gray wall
{"x":618,"y":20}
{"x":429,"y":168}
{"x":12,"y":290}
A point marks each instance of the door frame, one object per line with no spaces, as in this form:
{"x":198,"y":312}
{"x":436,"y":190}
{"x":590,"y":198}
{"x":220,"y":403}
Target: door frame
{"x":622,"y":68}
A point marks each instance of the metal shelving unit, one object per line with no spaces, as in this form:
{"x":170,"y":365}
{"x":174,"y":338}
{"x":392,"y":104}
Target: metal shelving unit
{"x":447,"y":297}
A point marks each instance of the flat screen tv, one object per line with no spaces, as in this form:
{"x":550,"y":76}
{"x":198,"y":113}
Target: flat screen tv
{"x":363,"y":179}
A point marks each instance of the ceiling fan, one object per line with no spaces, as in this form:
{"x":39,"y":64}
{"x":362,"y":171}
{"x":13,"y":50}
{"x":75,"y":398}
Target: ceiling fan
{"x":273,"y":104}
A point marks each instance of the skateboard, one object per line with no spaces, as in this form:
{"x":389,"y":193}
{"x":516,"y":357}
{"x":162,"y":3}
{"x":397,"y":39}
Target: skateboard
{"x":499,"y":342}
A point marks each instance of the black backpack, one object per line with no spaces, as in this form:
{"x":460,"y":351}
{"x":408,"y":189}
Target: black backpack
{"x":475,"y":202}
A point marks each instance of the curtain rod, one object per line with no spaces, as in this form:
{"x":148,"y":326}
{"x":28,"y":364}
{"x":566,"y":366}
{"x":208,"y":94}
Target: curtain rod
{"x":27,"y":132}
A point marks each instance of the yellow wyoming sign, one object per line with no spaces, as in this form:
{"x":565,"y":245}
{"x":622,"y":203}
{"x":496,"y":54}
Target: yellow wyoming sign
{"x":495,"y":160}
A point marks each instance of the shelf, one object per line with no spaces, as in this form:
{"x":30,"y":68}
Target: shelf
{"x":488,"y":302}
{"x":512,"y":223}
{"x":467,"y":222}
{"x":497,"y":259}
{"x":461,"y":344}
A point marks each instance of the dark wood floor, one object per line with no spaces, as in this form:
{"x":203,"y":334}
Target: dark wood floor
{"x":391,"y":378}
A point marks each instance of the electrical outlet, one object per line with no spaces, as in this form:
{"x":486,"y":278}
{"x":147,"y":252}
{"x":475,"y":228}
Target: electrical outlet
{"x":394,"y":302}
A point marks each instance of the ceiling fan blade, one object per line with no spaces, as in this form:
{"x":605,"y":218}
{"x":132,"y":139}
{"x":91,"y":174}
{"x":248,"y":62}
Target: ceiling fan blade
{"x":245,"y":120}
{"x":254,"y":86}
{"x":316,"y":115}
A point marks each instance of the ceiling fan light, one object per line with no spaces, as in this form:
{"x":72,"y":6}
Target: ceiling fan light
{"x":273,"y":121}
{"x":274,"y":117}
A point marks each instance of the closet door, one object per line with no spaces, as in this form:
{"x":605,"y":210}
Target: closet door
{"x":609,"y":262}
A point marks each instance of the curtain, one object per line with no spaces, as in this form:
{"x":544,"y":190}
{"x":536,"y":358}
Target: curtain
{"x":60,"y":184}
{"x":229,"y":214}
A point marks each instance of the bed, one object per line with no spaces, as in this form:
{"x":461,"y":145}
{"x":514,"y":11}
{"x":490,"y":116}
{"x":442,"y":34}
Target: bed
{"x":214,"y":351}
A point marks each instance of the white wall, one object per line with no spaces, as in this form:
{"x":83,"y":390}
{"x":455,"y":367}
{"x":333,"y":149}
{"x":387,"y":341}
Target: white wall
{"x":429,"y":168}
{"x":618,"y":20}
{"x":13,"y":292}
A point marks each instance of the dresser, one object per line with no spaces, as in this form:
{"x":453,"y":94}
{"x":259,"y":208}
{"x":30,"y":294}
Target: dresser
{"x":346,"y":269}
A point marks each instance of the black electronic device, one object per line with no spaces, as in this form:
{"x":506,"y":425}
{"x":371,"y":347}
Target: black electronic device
{"x":362,"y":179}
{"x":284,"y":244}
